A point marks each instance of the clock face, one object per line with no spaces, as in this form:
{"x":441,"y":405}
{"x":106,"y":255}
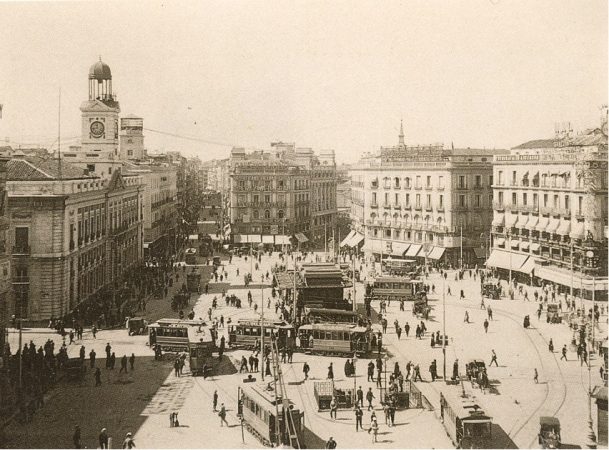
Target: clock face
{"x":97,"y":129}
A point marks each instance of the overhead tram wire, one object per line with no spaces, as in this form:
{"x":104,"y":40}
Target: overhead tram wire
{"x":190,"y":138}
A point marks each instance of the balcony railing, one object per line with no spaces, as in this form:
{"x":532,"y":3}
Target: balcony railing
{"x":374,"y":205}
{"x":21,"y":249}
{"x":499,"y":205}
{"x":20,"y":279}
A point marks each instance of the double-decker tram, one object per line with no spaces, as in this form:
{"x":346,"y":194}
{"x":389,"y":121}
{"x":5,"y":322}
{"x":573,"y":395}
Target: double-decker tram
{"x":341,"y":339}
{"x":273,"y":420}
{"x":395,"y":288}
{"x":465,"y":422}
{"x":247,"y":333}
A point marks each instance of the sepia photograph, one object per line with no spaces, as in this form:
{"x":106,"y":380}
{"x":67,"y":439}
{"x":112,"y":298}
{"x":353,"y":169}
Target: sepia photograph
{"x":315,"y":224}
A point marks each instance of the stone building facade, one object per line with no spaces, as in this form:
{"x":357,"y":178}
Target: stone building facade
{"x":71,"y":234}
{"x":550,"y":203}
{"x":282,"y":192}
{"x":424,"y":202}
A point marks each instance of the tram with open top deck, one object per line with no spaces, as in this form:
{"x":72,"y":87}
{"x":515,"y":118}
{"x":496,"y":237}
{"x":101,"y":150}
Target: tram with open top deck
{"x":175,"y":335}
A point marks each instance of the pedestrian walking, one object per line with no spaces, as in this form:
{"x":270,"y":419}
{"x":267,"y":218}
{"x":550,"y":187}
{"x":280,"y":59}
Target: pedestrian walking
{"x":371,"y":371}
{"x":222,"y":415}
{"x":305,"y":370}
{"x":103,"y":439}
{"x":330,"y":372}
{"x":493,"y":359}
{"x":92,"y":358}
{"x":132,"y":361}
{"x":331,"y":443}
{"x":407,"y":329}
{"x":76,"y":437}
{"x":333,"y":408}
{"x":94,"y":332}
{"x":374,"y":427}
{"x":564,"y":353}
{"x":123,"y":364}
{"x":128,"y":442}
{"x":97,"y":377}
{"x":536,"y":377}
{"x":360,"y":397}
{"x":486,"y":325}
{"x":359,"y":414}
{"x":466,"y":318}
{"x":551,"y":346}
{"x":369,"y":398}
{"x":215,"y":400}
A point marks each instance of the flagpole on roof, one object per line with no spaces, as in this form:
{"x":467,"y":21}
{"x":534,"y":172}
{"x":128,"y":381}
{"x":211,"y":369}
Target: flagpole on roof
{"x":59,"y":133}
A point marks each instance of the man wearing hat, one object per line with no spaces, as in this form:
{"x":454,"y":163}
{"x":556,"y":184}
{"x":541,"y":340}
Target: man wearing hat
{"x":128,"y":442}
{"x":103,"y":439}
{"x":331,"y":443}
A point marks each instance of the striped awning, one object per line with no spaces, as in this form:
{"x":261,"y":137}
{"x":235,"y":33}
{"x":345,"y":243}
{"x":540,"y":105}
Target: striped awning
{"x":532,"y":222}
{"x":514,"y":243}
{"x":268,"y":239}
{"x":522,"y":222}
{"x":436,"y":253}
{"x":506,"y":260}
{"x":498,"y":220}
{"x":399,"y":248}
{"x":564,"y":228}
{"x":578,"y":230}
{"x":552,"y":225}
{"x":413,"y":250}
{"x":347,"y":238}
{"x":542,"y":224}
{"x":510,"y":220}
{"x":253,"y":238}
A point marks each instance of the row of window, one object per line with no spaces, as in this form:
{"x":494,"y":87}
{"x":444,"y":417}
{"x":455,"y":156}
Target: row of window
{"x":463,"y":200}
{"x":397,"y":183}
{"x":555,"y":201}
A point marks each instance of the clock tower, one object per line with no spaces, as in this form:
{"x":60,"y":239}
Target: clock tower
{"x":100,"y":117}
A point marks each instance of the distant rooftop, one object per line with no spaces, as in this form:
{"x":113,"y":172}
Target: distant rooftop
{"x":33,"y":168}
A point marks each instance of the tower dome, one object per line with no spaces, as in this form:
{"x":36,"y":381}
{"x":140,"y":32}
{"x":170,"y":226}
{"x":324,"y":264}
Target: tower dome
{"x":100,"y":71}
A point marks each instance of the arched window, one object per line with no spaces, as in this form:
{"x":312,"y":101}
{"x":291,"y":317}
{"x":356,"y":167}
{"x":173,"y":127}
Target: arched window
{"x":280,"y":214}
{"x":417,"y":220}
{"x":407,"y":181}
{"x":267,"y":214}
{"x":406,"y":218}
{"x":256,"y":214}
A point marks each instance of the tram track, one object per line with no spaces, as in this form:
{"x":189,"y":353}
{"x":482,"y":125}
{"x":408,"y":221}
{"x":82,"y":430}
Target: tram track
{"x":563,"y":396}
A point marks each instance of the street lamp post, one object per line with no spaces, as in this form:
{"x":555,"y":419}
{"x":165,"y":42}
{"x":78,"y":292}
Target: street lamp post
{"x":591,"y":434}
{"x":444,"y":326}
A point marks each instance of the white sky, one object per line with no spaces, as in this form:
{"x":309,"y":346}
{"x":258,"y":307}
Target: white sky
{"x":338,"y":74}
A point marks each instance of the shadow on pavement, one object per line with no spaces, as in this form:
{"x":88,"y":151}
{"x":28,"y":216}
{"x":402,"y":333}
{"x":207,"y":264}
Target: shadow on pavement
{"x":500,"y":438}
{"x":117,"y":405}
{"x":311,"y":440}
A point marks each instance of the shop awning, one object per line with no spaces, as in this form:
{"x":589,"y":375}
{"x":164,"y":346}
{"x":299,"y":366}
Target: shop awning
{"x":503,"y":260}
{"x":524,"y":246}
{"x":522,"y":222}
{"x":514,"y":243}
{"x":564,"y":228}
{"x":399,"y":248}
{"x":436,"y":253}
{"x":268,"y":239}
{"x":552,"y":225}
{"x":373,"y":245}
{"x":301,"y":238}
{"x":500,"y":241}
{"x":542,"y":224}
{"x":282,"y":240}
{"x":413,"y":250}
{"x":215,"y":237}
{"x":253,"y":238}
{"x":578,"y":230}
{"x":193,"y":237}
{"x":146,"y":244}
{"x":347,"y":238}
{"x":355,"y":240}
{"x":498,"y":220}
{"x":240,"y":238}
{"x":510,"y":220}
{"x":528,"y":266}
{"x":480,"y":253}
{"x":535,"y":247}
{"x":532,"y":222}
